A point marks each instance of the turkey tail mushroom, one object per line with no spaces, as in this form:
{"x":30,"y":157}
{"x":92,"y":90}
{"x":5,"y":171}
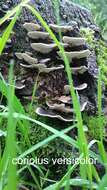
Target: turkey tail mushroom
{"x":31,"y":26}
{"x":47,"y":61}
{"x":56,"y":110}
{"x":73,"y":41}
{"x":64,"y":29}
{"x":75,"y":54}
{"x":26,"y":58}
{"x":48,"y":113}
{"x":37,"y":58}
{"x":43,"y":48}
{"x":38,"y":35}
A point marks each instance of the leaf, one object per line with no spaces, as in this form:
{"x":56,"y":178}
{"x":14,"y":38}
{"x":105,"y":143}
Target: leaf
{"x":103,"y":183}
{"x":24,"y":125}
{"x":75,"y":182}
{"x":7,"y":32}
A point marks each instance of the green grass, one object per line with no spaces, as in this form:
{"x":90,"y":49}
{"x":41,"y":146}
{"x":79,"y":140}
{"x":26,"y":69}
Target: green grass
{"x":17,"y":120}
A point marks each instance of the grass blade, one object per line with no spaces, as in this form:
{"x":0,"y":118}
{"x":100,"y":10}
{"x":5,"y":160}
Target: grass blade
{"x":7,"y":32}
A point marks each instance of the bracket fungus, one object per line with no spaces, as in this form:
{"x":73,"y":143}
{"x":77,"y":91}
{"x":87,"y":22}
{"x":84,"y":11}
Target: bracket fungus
{"x":37,"y":58}
{"x":31,"y":26}
{"x":53,"y":89}
{"x":56,"y":28}
{"x":38,"y":35}
{"x":26,"y":57}
{"x":43,"y":48}
{"x":73,"y":41}
{"x":75,"y":54}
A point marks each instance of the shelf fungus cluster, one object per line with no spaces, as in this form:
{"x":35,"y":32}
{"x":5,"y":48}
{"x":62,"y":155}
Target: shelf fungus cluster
{"x":43,"y":64}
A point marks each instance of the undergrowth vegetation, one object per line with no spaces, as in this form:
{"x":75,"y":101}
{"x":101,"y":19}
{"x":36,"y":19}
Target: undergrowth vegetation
{"x":24,"y":136}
